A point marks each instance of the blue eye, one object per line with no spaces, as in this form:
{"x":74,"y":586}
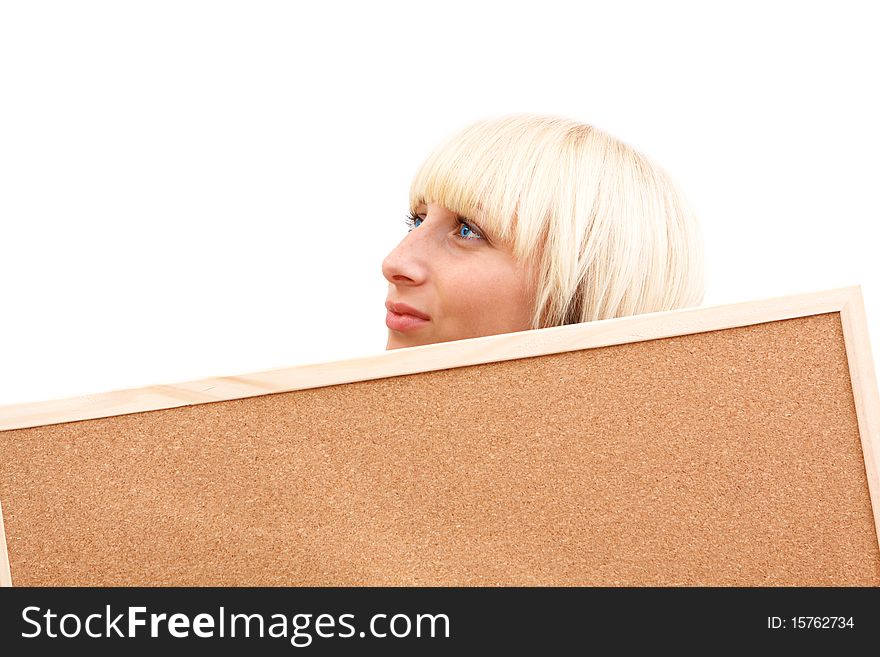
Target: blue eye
{"x":414,"y":221}
{"x":466,"y":227}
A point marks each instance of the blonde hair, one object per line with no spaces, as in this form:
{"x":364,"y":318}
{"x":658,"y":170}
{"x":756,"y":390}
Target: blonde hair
{"x":607,"y":230}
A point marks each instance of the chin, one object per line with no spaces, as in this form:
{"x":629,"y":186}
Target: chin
{"x":395,"y":342}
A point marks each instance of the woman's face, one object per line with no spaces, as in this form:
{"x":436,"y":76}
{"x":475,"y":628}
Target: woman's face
{"x":451,"y":274}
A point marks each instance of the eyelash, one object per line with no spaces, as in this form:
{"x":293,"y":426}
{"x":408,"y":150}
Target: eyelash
{"x":411,"y":223}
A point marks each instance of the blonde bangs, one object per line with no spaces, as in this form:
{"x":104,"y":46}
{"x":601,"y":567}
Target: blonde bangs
{"x":607,"y":230}
{"x":488,"y":172}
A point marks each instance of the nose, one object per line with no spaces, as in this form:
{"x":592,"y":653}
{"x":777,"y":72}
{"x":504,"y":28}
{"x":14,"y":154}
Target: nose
{"x":406,"y":264}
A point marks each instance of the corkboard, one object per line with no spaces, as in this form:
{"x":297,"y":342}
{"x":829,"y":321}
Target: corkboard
{"x":662,"y":453}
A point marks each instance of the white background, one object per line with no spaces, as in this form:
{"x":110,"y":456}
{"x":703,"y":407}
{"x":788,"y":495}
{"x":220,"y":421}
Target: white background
{"x":190,"y":189}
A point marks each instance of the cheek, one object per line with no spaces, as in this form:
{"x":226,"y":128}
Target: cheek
{"x":508,"y":301}
{"x":489,"y":300}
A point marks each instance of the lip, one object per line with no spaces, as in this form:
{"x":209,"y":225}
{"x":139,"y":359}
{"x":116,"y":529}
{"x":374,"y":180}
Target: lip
{"x":404,"y":309}
{"x":402,"y":317}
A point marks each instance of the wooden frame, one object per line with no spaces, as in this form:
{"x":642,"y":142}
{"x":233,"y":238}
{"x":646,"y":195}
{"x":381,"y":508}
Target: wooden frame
{"x":847,"y":301}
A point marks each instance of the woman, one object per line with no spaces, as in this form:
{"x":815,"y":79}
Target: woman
{"x":530,"y":221}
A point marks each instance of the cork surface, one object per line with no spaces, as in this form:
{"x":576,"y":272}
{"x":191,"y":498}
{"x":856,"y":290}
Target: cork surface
{"x":727,"y":457}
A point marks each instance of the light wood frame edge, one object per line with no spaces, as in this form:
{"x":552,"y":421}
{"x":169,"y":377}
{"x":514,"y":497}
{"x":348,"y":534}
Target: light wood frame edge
{"x":865,"y":394}
{"x":5,"y":574}
{"x":426,"y":358}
